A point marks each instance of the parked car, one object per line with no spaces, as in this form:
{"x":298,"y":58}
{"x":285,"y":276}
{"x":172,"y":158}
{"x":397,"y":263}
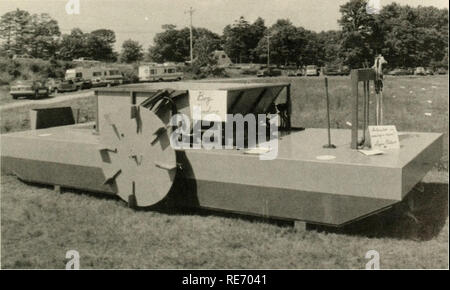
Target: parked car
{"x":332,"y":70}
{"x":65,"y":86}
{"x":268,"y":72}
{"x":82,"y":84}
{"x":291,"y":73}
{"x":58,"y":85}
{"x":336,"y":70}
{"x":300,"y":72}
{"x":52,"y":84}
{"x":429,"y":71}
{"x":420,"y":71}
{"x":312,"y":70}
{"x":399,"y":72}
{"x":98,"y":82}
{"x":442,"y":71}
{"x":28,"y":88}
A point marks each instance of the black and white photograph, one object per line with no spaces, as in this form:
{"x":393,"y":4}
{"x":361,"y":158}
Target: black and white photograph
{"x":220,"y":140}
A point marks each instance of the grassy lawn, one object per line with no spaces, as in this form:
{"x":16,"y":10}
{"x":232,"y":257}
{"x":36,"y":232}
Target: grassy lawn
{"x":5,"y":97}
{"x":40,"y":225}
{"x":18,"y":119}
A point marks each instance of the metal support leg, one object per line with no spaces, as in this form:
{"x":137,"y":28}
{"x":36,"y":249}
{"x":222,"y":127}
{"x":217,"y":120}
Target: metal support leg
{"x":354,"y":141}
{"x":132,"y":203}
{"x":368,"y":103}
{"x":329,"y":145}
{"x":379,"y":117}
{"x":367,"y":116}
{"x":381,"y":108}
{"x":364,"y":113}
{"x":301,"y":226}
{"x":57,"y":188}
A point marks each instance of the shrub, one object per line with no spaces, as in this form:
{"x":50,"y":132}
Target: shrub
{"x":129,"y":71}
{"x":201,"y":72}
{"x":11,"y":70}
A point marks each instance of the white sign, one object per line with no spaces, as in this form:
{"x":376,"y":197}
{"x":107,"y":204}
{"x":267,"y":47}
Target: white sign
{"x":210,"y":103}
{"x":371,"y":152}
{"x":383,"y":137}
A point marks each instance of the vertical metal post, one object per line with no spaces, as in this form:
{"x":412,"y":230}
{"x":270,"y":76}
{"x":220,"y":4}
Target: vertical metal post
{"x":268,"y":51}
{"x":381,"y":107}
{"x":328,"y":111}
{"x":329,"y":145}
{"x":368,"y":103}
{"x":354,"y":79}
{"x":97,"y":129}
{"x":367,"y":110}
{"x":191,"y":11}
{"x":133,"y":97}
{"x":377,"y":113}
{"x":364,"y":112}
{"x":77,"y":120}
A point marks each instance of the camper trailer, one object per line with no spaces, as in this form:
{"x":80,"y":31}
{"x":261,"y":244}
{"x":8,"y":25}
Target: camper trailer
{"x":99,"y":76}
{"x":160,"y":72}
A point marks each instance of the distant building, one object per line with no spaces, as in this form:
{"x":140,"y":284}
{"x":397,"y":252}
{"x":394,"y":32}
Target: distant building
{"x":222,"y":58}
{"x":85,"y":61}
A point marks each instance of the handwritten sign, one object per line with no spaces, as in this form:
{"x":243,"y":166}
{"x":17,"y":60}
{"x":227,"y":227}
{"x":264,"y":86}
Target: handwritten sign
{"x":384,"y":137}
{"x":210,"y":104}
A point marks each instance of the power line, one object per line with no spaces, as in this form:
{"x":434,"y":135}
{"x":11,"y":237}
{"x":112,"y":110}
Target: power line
{"x":190,"y":11}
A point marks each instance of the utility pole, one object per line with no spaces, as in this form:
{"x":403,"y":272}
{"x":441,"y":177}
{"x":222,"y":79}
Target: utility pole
{"x":268,"y":50}
{"x":191,"y":11}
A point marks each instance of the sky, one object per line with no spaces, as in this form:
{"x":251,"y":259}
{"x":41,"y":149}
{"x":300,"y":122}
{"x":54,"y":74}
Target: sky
{"x":141,"y":19}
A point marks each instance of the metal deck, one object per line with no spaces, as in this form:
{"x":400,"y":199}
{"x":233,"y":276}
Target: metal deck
{"x":296,"y":185}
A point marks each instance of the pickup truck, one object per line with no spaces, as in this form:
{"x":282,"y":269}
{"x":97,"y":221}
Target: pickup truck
{"x":336,"y":70}
{"x":82,"y":84}
{"x":65,"y":86}
{"x":268,"y":73}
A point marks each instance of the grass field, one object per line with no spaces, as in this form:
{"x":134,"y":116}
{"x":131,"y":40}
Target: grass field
{"x":40,"y":225}
{"x":5,"y":97}
{"x":18,"y":119}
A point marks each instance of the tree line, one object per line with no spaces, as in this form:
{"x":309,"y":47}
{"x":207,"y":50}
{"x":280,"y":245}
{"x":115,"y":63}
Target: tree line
{"x":39,"y":36}
{"x":405,"y":35}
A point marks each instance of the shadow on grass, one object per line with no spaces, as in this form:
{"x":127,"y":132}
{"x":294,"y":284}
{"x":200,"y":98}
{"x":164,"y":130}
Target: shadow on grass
{"x":422,"y":222}
{"x":216,"y":213}
{"x":64,"y":190}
